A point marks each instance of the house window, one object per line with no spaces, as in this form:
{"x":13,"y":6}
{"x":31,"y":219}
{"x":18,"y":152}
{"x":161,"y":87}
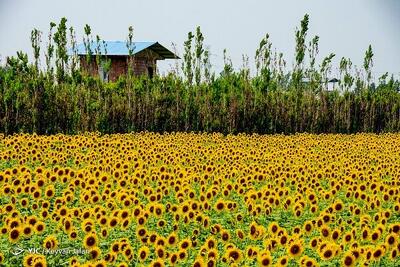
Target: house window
{"x":103,"y":74}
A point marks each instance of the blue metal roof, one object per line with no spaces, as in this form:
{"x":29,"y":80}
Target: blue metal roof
{"x":119,"y":48}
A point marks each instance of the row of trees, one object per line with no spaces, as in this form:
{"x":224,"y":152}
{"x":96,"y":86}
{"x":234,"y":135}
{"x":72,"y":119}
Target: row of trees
{"x":61,"y":97}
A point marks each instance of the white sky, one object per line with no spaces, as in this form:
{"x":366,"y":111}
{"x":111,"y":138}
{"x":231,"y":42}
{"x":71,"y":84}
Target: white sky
{"x":345,"y":27}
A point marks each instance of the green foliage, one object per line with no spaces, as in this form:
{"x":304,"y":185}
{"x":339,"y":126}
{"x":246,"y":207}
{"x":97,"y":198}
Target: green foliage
{"x":199,"y":51}
{"x":301,"y":49}
{"x":187,"y":59}
{"x":312,"y":74}
{"x":74,"y":56}
{"x":60,"y":39}
{"x":87,"y":41}
{"x":106,"y":62}
{"x":35,"y":41}
{"x":368,"y":63}
{"x":326,"y":67}
{"x":275,"y":100}
{"x":347,"y":79}
{"x":130,"y":45}
{"x":50,"y":50}
{"x":263,"y":60}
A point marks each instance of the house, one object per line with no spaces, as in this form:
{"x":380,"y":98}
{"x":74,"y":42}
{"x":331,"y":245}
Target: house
{"x":329,"y":84}
{"x":144,"y":62}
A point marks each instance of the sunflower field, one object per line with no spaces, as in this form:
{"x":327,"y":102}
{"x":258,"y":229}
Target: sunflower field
{"x":192,"y":199}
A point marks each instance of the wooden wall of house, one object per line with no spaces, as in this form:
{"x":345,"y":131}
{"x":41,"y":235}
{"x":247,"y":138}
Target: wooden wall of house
{"x":90,"y":68}
{"x":145,"y":59}
{"x":119,"y":66}
{"x":141,"y":66}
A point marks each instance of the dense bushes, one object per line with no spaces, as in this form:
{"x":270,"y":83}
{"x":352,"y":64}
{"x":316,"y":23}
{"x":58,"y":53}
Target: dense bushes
{"x":29,"y":102}
{"x":274,"y":101}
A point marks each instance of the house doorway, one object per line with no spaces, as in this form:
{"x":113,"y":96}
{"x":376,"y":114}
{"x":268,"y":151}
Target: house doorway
{"x":150,"y":72}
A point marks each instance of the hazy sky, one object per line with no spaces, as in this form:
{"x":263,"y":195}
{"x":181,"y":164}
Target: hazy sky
{"x":345,"y":27}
